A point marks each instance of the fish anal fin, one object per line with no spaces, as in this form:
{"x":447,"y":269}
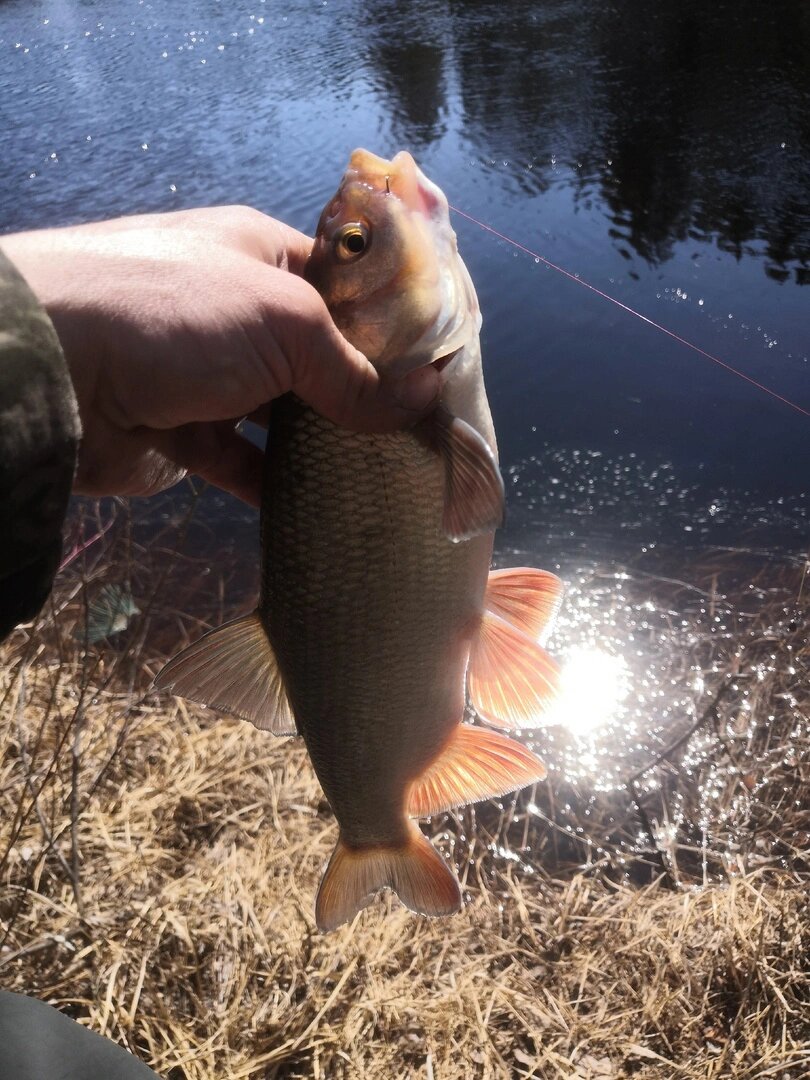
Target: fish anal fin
{"x":512,"y":680}
{"x":473,"y":486}
{"x":527,"y":598}
{"x":233,"y":669}
{"x":476,"y":764}
{"x":413,"y":869}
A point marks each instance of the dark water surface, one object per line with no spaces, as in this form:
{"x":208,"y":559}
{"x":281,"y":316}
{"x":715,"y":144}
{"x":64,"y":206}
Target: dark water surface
{"x":660,"y":152}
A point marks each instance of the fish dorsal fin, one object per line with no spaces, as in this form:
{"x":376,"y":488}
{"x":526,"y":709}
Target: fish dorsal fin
{"x":233,"y":669}
{"x":527,"y":598}
{"x":413,"y":869}
{"x":473,"y":487}
{"x":476,"y":764}
{"x":512,"y":679}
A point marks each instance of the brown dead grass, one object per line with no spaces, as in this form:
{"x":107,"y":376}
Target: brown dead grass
{"x":158,"y":867}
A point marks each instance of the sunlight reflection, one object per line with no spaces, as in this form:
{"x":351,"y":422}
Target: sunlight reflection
{"x":593,"y":685}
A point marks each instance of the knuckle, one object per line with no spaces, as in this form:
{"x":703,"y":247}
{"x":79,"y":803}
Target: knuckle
{"x":239,"y":214}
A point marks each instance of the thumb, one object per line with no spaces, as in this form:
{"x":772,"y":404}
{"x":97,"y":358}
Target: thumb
{"x":336,"y":379}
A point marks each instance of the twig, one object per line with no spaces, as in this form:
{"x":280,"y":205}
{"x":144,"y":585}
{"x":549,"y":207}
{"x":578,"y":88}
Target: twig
{"x":708,"y":713}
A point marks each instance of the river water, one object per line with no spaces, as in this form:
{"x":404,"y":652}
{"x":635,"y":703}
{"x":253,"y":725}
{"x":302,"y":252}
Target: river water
{"x":659,"y":152}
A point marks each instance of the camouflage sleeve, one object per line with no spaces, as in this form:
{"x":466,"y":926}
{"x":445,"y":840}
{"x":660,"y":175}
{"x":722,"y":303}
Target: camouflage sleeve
{"x":39,"y":437}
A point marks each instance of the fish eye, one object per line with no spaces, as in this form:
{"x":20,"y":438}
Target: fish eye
{"x":351,"y":241}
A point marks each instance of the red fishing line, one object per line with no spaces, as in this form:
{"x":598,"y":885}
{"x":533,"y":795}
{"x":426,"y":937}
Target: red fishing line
{"x":632,"y":311}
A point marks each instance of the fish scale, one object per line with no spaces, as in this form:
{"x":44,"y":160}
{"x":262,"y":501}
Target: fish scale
{"x":362,"y":599}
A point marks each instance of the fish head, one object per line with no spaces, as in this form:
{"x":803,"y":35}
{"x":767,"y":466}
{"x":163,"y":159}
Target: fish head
{"x":386,"y":262}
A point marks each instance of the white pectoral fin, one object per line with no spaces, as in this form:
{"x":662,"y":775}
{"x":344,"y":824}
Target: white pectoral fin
{"x":233,"y":669}
{"x":473,"y":487}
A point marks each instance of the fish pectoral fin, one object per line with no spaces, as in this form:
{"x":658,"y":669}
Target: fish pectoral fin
{"x":512,"y":680}
{"x":527,"y":598}
{"x":414,"y":870}
{"x":476,"y":764}
{"x":473,"y":486}
{"x":233,"y":669}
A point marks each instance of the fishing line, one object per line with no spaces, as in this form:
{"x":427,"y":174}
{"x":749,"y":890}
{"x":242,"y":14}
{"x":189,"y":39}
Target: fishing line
{"x":651,"y":322}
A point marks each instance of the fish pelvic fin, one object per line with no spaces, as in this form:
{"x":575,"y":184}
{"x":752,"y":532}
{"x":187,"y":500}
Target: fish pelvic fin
{"x":476,"y":764}
{"x":233,"y":669}
{"x":512,"y":680}
{"x":413,"y":869}
{"x":473,"y":486}
{"x":527,"y":598}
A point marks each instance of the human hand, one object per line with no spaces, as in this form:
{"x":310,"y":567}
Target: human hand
{"x":175,"y":326}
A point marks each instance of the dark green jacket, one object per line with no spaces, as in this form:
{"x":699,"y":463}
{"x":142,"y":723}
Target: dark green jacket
{"x":39,"y":438}
{"x":39,"y":1043}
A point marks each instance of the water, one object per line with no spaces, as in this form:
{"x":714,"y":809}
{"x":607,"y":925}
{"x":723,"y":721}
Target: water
{"x":661,"y":152}
{"x":663,"y":155}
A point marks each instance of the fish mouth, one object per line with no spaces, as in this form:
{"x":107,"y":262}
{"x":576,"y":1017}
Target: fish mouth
{"x":400,"y":177}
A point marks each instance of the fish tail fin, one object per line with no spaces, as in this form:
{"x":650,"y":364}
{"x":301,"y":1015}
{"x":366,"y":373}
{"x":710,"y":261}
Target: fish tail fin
{"x":414,"y":870}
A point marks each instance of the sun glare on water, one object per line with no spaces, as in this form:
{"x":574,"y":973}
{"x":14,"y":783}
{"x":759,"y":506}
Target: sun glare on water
{"x":593,"y":685}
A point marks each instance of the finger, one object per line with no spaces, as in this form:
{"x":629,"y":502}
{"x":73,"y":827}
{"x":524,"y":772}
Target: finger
{"x":222,"y":456}
{"x":283,"y":246}
{"x":265,"y":237}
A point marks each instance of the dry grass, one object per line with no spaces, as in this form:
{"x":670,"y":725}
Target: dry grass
{"x":158,"y":867}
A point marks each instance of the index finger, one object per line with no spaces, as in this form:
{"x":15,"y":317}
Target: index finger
{"x":285,"y":247}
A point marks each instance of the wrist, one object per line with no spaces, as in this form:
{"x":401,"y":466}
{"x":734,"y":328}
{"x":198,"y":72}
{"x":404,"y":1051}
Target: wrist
{"x":36,"y":257}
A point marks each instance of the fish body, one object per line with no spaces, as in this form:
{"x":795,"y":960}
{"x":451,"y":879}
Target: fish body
{"x":378,"y":611}
{"x":369,"y":607}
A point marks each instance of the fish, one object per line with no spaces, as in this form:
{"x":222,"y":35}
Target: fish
{"x":378,"y":615}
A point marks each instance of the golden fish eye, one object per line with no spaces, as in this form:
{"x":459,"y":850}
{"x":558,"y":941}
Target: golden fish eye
{"x":351,"y":241}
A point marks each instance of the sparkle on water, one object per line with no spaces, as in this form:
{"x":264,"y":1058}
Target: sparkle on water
{"x":593,"y":685}
{"x":681,"y":738}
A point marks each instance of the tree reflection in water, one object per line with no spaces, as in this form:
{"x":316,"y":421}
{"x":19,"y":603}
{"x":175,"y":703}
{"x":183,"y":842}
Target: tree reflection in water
{"x":688,"y":120}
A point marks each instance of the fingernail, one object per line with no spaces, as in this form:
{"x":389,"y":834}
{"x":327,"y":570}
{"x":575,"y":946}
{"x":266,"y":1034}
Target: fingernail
{"x":418,"y":390}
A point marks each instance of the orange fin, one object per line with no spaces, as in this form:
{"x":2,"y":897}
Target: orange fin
{"x":414,"y":870}
{"x":233,"y":669}
{"x":512,"y":679}
{"x":476,"y":764}
{"x":473,"y":487}
{"x":527,"y":598}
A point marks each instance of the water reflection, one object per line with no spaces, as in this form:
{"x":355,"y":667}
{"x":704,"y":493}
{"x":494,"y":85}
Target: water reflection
{"x":689,"y":121}
{"x":686,"y":124}
{"x":662,"y":152}
{"x":406,"y":51}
